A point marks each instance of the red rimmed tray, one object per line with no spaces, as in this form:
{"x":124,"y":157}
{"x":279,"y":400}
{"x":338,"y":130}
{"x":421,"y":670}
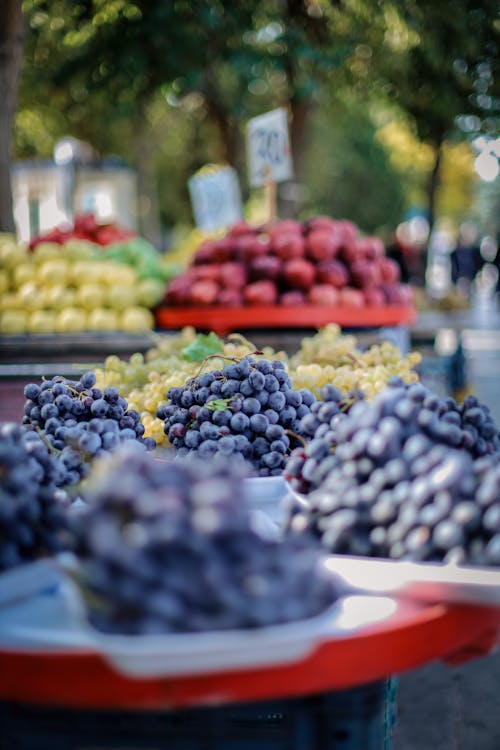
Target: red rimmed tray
{"x":82,"y":678}
{"x":222,"y":320}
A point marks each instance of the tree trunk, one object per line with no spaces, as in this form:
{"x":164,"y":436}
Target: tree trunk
{"x":291,"y":195}
{"x":145,"y":154}
{"x":11,"y":47}
{"x":434,"y":181}
{"x":432,"y":191}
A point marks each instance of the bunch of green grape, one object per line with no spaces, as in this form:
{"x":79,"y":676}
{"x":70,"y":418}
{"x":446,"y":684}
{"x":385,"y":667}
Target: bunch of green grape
{"x":331,"y":357}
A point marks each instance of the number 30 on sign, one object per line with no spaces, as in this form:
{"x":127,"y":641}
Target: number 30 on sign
{"x":268,"y":148}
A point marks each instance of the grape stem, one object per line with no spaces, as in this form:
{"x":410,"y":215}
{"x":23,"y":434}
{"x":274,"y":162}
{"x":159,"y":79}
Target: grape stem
{"x":354,"y":359}
{"x":236,"y":360}
{"x":297,"y":437}
{"x":47,"y":444}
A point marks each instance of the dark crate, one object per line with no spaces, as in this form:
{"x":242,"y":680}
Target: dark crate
{"x":356,"y":719}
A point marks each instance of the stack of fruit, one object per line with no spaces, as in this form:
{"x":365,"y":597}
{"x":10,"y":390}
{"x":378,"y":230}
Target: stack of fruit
{"x":66,"y":288}
{"x":85,"y":227}
{"x":318,"y":262}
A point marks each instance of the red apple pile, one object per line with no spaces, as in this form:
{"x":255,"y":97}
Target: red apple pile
{"x":85,"y":227}
{"x":321,"y":261}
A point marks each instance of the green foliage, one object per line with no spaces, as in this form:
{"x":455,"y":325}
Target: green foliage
{"x":182,"y":77}
{"x":349,"y":174}
{"x":204,"y":345}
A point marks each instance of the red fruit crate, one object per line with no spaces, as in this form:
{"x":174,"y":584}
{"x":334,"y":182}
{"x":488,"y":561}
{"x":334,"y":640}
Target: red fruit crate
{"x":223,"y":320}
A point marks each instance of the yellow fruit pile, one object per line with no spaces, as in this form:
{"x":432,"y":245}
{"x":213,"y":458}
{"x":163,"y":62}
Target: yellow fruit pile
{"x":68,"y":289}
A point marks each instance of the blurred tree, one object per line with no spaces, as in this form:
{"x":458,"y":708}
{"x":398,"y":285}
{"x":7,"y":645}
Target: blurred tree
{"x":169,"y":85}
{"x":349,"y":173}
{"x":228,"y":60}
{"x":11,"y":45}
{"x":440,"y":62}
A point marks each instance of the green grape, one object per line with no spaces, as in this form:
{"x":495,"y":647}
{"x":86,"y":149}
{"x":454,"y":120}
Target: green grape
{"x":330,"y":357}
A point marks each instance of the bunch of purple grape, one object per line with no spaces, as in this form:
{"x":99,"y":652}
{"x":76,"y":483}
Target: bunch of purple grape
{"x":310,"y":463}
{"x":247,"y":410}
{"x":405,"y":482}
{"x":32,"y":508}
{"x":80,"y":422}
{"x":169,"y":546}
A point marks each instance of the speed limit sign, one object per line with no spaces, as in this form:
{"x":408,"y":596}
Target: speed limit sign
{"x":268,"y":148}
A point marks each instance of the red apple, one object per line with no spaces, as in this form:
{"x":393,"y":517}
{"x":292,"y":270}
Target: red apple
{"x":323,"y":244}
{"x":407,"y":294}
{"x":351,"y":252}
{"x":241,"y":228}
{"x":389,"y":270}
{"x":365,"y":273}
{"x":287,"y":226}
{"x":323,"y":294}
{"x":288,"y":245}
{"x":299,"y":273}
{"x":204,"y":292}
{"x":261,"y":293}
{"x":332,"y":272}
{"x":204,"y":253}
{"x":320,"y":222}
{"x":86,"y":223}
{"x":393,"y":294}
{"x":232,"y":275}
{"x":205,"y":272}
{"x":177,"y":292}
{"x":351,"y":297}
{"x":374,"y":297}
{"x":230,"y":298}
{"x":250,"y":247}
{"x":371,"y":247}
{"x":293,"y":298}
{"x":265,"y":267}
{"x":348,"y":230}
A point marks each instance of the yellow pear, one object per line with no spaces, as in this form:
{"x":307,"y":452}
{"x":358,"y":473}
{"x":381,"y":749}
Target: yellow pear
{"x":121,"y":296}
{"x":22,"y":273}
{"x":102,"y":319}
{"x":12,"y":254}
{"x":53,"y":271}
{"x":10,"y":301}
{"x":71,"y":320}
{"x":30,"y":296}
{"x":47,"y":251}
{"x":136,"y":320}
{"x":150,"y":292}
{"x":90,"y":296}
{"x":117,"y":273}
{"x":4,"y":281}
{"x":58,"y":297}
{"x":13,"y":322}
{"x":41,"y":321}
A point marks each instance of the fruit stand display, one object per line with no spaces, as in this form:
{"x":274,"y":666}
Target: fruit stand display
{"x":80,"y":281}
{"x":288,"y":274}
{"x":143,"y":556}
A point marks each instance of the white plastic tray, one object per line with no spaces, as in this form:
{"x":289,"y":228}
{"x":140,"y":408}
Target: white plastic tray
{"x":198,"y":653}
{"x":426,"y":582}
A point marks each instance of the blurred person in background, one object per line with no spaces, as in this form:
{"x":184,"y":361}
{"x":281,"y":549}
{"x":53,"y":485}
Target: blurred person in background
{"x":396,"y":251}
{"x":466,"y":259}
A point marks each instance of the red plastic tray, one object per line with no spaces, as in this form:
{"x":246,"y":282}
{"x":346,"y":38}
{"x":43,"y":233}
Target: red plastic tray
{"x":222,"y":320}
{"x":83,"y":679}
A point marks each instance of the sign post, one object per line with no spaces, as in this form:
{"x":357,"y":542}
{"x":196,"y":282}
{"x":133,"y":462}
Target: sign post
{"x":269,"y":155}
